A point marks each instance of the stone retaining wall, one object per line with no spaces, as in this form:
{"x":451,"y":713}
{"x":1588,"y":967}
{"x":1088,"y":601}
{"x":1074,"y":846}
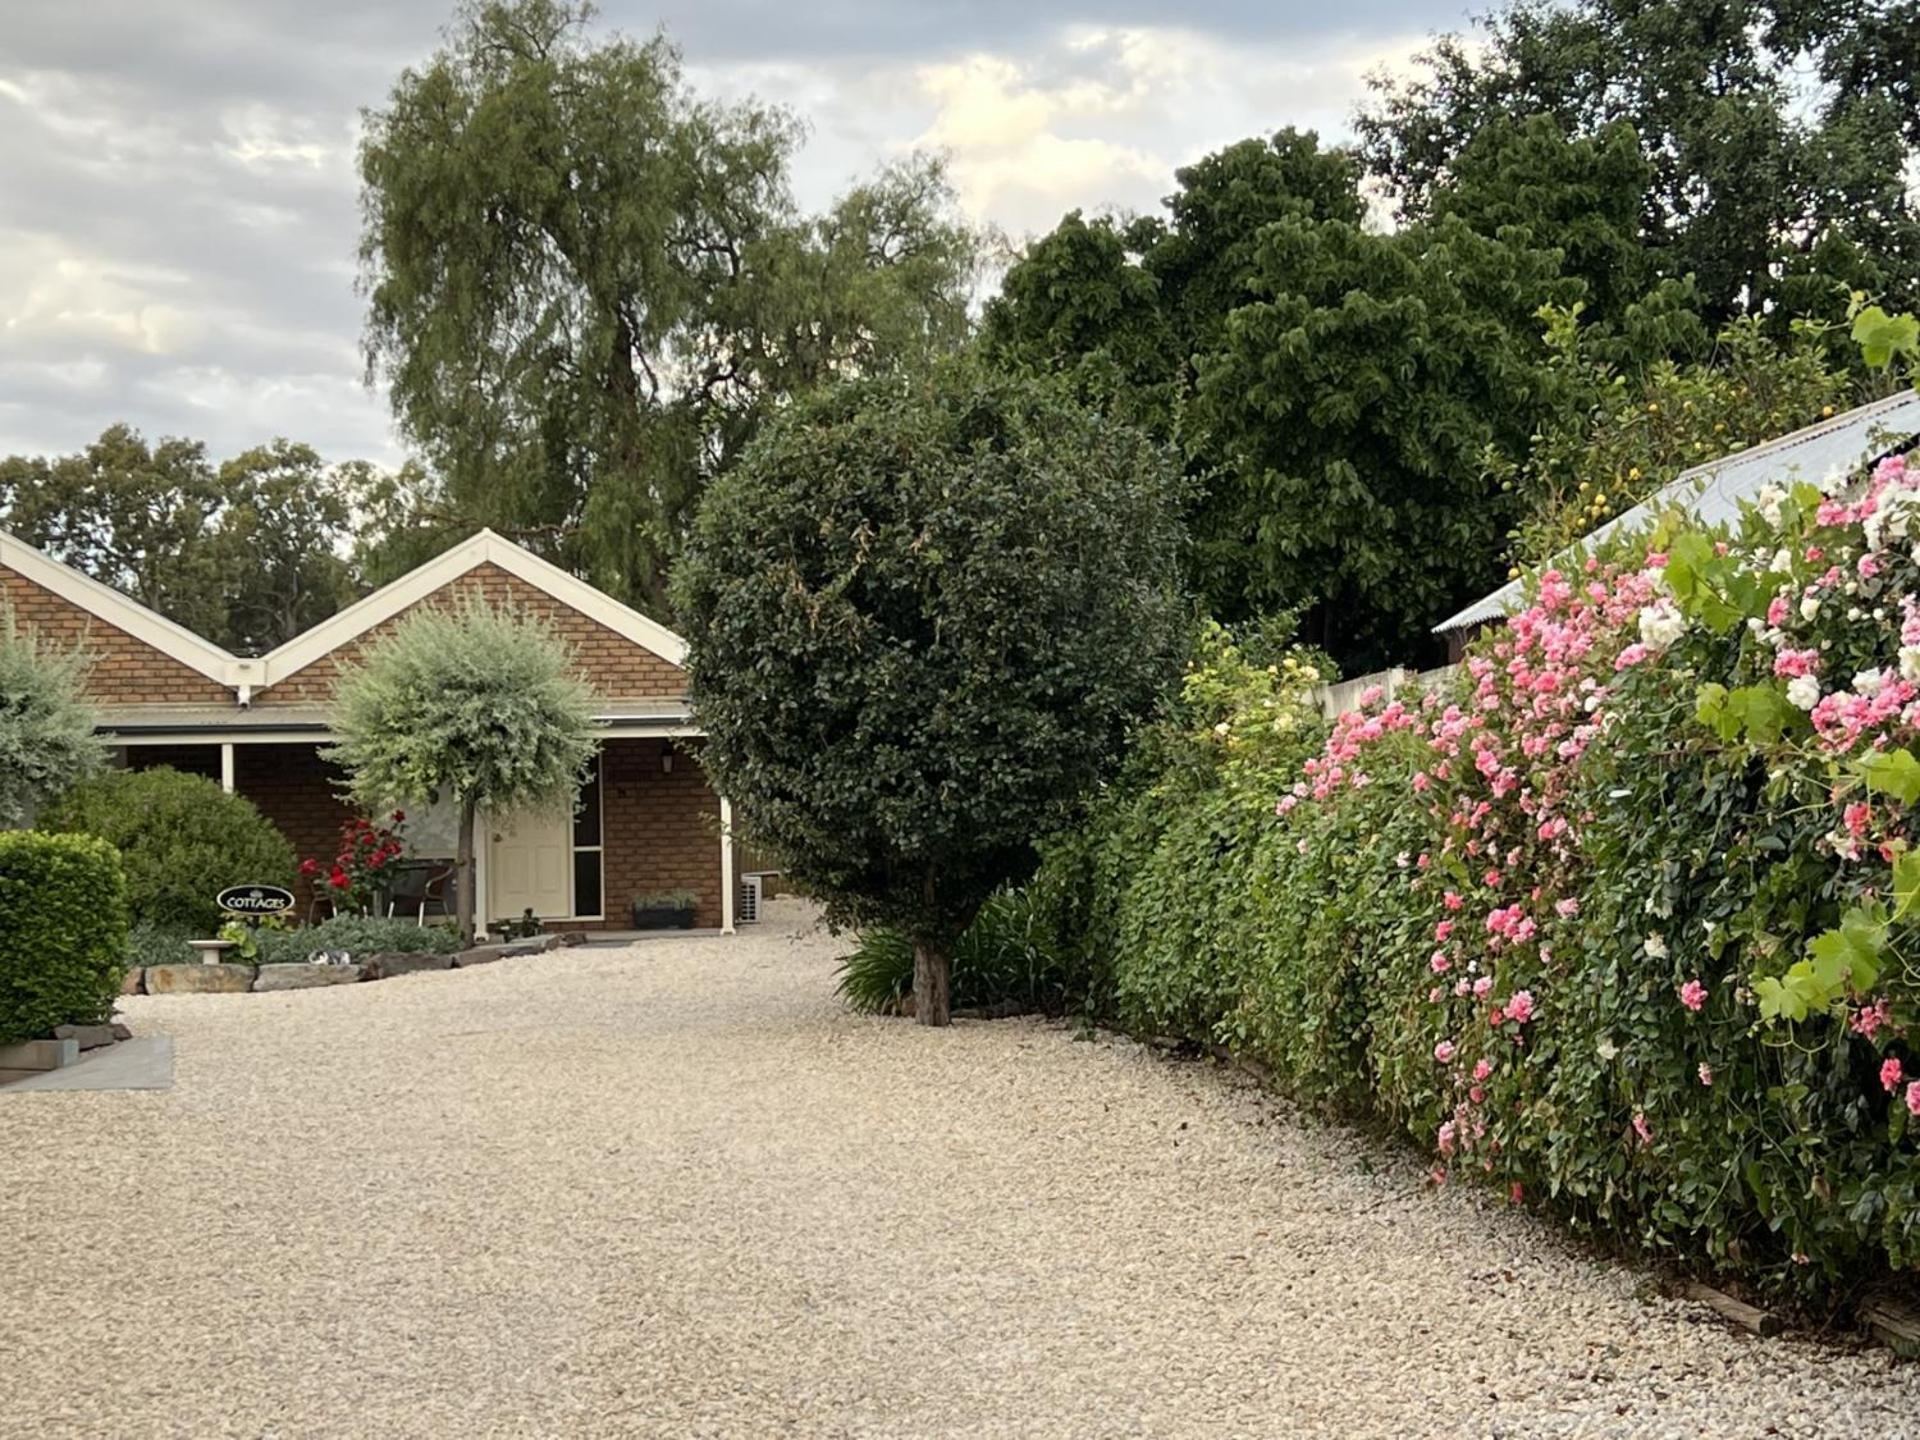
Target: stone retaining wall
{"x":198,"y":979}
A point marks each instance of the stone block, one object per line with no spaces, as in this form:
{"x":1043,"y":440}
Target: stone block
{"x":305,"y":977}
{"x":39,"y":1054}
{"x":134,"y":982}
{"x":198,"y":979}
{"x":385,"y":967}
{"x":88,"y":1037}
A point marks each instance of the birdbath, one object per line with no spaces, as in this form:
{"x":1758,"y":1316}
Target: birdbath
{"x":211,"y":950}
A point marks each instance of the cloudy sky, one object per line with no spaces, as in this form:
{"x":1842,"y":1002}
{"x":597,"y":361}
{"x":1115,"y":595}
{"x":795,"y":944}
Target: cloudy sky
{"x":178,"y":207}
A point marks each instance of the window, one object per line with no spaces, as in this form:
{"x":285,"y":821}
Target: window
{"x":587,"y":865}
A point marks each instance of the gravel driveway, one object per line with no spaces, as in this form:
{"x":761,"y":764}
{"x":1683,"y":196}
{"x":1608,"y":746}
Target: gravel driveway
{"x":675,"y":1190}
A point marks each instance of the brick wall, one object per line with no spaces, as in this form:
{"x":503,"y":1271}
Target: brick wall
{"x":123,"y":670}
{"x":660,"y":830}
{"x":617,"y":668}
{"x":296,"y":790}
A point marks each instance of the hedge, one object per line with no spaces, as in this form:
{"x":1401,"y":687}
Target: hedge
{"x":1624,"y":920}
{"x":63,"y":932}
{"x":182,"y":840}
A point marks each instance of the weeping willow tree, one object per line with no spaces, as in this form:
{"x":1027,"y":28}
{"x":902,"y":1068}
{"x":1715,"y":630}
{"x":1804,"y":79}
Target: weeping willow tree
{"x":587,"y":285}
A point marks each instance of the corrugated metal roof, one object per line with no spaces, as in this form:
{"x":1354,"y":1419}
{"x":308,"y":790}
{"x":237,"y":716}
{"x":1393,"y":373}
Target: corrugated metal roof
{"x":1714,"y":491}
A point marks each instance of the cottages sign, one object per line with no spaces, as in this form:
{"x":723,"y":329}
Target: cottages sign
{"x":255,"y":900}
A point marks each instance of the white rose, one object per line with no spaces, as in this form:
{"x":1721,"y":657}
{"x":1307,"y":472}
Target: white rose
{"x":1910,"y":662}
{"x":1782,"y":561}
{"x":1608,"y":1049}
{"x":1867,"y":682}
{"x":1661,"y":625}
{"x":1809,"y":607}
{"x":1770,"y":498}
{"x":1656,"y":947}
{"x":1803,"y":691}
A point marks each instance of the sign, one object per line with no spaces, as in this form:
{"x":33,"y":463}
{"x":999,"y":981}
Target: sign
{"x":255,"y":900}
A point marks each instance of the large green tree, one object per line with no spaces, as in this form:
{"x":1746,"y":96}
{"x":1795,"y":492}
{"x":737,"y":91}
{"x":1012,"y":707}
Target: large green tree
{"x":588,"y":285}
{"x":1774,"y":131}
{"x":135,"y":516}
{"x":921,"y":616}
{"x":248,"y":553}
{"x":1356,"y":398}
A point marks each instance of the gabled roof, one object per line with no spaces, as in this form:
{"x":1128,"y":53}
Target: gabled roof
{"x":1714,"y":491}
{"x":483,"y":549}
{"x":122,"y":612}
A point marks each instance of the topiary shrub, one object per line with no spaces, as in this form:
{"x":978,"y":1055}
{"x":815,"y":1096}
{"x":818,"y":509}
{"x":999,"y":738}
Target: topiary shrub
{"x":355,"y":935}
{"x":182,"y":840}
{"x":63,"y":932}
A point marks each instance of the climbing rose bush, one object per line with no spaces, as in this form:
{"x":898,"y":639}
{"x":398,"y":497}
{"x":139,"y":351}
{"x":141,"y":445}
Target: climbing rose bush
{"x":1620,"y":920}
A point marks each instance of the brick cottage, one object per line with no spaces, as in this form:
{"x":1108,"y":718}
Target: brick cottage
{"x":647,"y":819}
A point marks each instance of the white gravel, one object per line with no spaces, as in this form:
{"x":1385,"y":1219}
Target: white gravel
{"x":676,"y":1190}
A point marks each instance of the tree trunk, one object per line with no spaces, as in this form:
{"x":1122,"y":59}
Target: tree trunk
{"x":932,"y":983}
{"x":463,"y":872}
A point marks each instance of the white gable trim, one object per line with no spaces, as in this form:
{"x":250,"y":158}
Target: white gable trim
{"x":149,"y":627}
{"x":416,"y":585}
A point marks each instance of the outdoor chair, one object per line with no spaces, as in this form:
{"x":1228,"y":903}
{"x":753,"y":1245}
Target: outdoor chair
{"x":421,"y":890}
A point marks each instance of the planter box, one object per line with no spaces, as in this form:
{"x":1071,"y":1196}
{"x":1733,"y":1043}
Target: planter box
{"x":304,"y":977}
{"x":198,"y":979}
{"x":662,"y":917}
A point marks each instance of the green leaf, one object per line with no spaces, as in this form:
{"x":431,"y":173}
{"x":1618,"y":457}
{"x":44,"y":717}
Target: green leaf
{"x":1891,"y":772}
{"x":1881,"y":336}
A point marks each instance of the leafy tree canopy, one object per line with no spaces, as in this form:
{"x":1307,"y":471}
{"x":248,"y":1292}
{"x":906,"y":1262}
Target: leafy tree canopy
{"x":921,"y":616}
{"x":588,"y":285}
{"x":248,"y":553}
{"x":1774,"y":130}
{"x":1355,"y":399}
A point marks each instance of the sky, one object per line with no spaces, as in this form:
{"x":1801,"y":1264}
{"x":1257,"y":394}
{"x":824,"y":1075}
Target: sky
{"x":179,"y":211}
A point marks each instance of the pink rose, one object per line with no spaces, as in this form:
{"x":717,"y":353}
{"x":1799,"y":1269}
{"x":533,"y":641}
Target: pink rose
{"x":1890,"y":1075}
{"x":1443,"y":1052}
{"x":1693,"y":995}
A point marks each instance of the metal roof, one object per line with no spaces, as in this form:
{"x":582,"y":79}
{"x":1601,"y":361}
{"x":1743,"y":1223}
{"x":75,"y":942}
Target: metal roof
{"x":1713,"y":491}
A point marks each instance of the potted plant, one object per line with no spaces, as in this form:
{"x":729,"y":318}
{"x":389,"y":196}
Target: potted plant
{"x":665,"y":910}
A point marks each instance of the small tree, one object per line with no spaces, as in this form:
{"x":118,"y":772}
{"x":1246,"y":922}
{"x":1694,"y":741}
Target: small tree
{"x":921,"y":617}
{"x":475,"y":702}
{"x":47,"y":739}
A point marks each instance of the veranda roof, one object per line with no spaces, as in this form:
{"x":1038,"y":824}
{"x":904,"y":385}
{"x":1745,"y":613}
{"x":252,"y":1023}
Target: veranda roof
{"x":1713,"y":491}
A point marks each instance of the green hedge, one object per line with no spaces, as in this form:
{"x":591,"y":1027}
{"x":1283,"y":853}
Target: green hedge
{"x":63,"y":932}
{"x":1622,"y":920}
{"x":182,"y":840}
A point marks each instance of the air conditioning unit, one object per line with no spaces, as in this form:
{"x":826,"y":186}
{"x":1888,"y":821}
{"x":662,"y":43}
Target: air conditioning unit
{"x":748,"y":912}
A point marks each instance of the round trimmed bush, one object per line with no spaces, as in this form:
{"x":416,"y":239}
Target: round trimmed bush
{"x":63,"y":932}
{"x":182,"y":840}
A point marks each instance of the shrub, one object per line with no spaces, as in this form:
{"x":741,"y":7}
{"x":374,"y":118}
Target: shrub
{"x":63,"y":932}
{"x":355,"y":935}
{"x":156,"y":945}
{"x":998,"y":959}
{"x":47,"y":739}
{"x":181,"y":839}
{"x":1619,"y":922}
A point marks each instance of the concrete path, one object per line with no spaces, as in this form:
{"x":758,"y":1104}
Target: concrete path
{"x":675,"y":1190}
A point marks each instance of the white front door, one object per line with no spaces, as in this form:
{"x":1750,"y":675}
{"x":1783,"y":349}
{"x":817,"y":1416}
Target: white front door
{"x":530,"y":867}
